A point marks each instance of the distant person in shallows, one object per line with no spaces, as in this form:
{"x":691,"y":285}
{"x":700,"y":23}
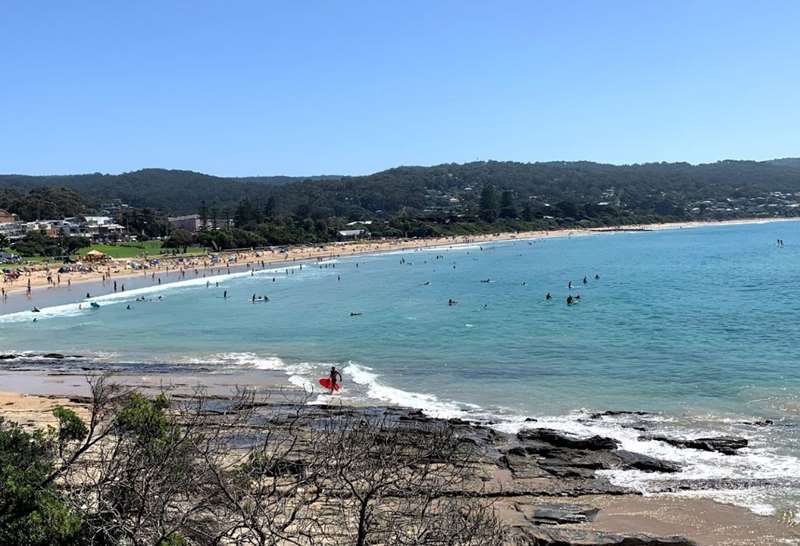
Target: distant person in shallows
{"x":569,"y":300}
{"x":334,"y":375}
{"x":548,"y":296}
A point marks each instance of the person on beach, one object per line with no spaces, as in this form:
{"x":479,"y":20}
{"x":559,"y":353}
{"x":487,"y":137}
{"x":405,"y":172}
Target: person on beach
{"x":334,"y":374}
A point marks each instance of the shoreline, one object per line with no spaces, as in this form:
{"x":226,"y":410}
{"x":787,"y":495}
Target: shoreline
{"x":674,"y":505}
{"x":112,"y":272}
{"x":516,"y":497}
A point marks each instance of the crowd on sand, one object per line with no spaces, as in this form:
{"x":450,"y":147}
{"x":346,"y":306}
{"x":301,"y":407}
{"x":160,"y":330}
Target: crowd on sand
{"x":47,"y":275}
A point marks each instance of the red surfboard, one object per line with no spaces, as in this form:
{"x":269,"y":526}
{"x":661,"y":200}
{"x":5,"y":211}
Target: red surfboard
{"x":326,"y":382}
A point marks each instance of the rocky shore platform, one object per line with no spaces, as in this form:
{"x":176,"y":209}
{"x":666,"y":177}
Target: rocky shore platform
{"x":547,"y":486}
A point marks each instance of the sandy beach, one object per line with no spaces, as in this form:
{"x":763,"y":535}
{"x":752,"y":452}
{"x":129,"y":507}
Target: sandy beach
{"x":171,"y":268}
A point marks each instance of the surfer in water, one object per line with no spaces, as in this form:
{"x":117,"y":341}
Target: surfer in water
{"x":333,"y":377}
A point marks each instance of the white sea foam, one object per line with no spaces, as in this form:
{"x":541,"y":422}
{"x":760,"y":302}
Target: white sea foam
{"x":755,"y":462}
{"x":430,"y":404}
{"x":74,"y":309}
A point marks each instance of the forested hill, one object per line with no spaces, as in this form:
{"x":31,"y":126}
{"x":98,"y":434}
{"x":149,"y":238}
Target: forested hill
{"x":561,"y":189}
{"x":167,"y":190}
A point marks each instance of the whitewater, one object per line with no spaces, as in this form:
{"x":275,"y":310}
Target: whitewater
{"x":695,"y":327}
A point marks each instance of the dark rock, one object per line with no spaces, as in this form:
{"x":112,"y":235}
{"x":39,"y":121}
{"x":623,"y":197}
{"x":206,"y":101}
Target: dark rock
{"x":639,"y":428}
{"x":556,"y":514}
{"x":729,"y":445}
{"x":761,"y":423}
{"x":722,"y":484}
{"x":645,"y":463}
{"x":57,"y":356}
{"x":556,"y":438}
{"x":616,"y":414}
{"x":8,"y":357}
{"x":530,"y":420}
{"x":567,"y":471}
{"x":543,"y":536}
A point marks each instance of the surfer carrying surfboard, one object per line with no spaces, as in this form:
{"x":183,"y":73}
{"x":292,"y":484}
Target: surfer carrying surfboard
{"x":332,"y":381}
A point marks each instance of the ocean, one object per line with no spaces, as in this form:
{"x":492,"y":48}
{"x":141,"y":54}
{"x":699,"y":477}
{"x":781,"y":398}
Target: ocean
{"x":697,"y":327}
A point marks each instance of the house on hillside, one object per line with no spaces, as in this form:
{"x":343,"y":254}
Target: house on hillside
{"x":351,"y":234}
{"x":6,"y":217}
{"x":10,"y":227}
{"x":192,"y":223}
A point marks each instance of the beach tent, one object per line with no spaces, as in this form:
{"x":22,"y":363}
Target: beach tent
{"x":95,"y":256}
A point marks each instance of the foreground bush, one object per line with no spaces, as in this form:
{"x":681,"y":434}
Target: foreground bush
{"x":159,"y":471}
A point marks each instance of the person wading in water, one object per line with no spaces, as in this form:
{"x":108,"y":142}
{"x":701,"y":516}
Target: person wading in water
{"x":333,"y":377}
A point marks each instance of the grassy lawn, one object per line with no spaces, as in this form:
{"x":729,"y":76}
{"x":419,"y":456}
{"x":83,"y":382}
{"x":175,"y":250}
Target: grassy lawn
{"x":27,"y":261}
{"x":122,"y":250}
{"x":134,"y":250}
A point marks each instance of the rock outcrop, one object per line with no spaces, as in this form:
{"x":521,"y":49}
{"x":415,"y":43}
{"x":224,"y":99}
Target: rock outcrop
{"x":729,"y":445}
{"x":542,"y":536}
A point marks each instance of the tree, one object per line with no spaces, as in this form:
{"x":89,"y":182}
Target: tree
{"x":246,"y":215}
{"x":269,"y":208}
{"x":507,"y":207}
{"x":202,"y":470}
{"x":488,"y":204}
{"x":203,"y":216}
{"x":527,"y":212}
{"x":214,"y":220}
{"x":396,"y":478}
{"x":567,"y":209}
{"x":179,"y":239}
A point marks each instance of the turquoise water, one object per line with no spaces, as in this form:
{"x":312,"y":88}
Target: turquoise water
{"x":699,"y":326}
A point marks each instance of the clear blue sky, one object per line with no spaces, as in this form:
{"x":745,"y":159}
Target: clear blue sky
{"x":305,"y":87}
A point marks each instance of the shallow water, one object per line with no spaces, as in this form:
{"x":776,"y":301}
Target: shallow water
{"x":697,"y":325}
